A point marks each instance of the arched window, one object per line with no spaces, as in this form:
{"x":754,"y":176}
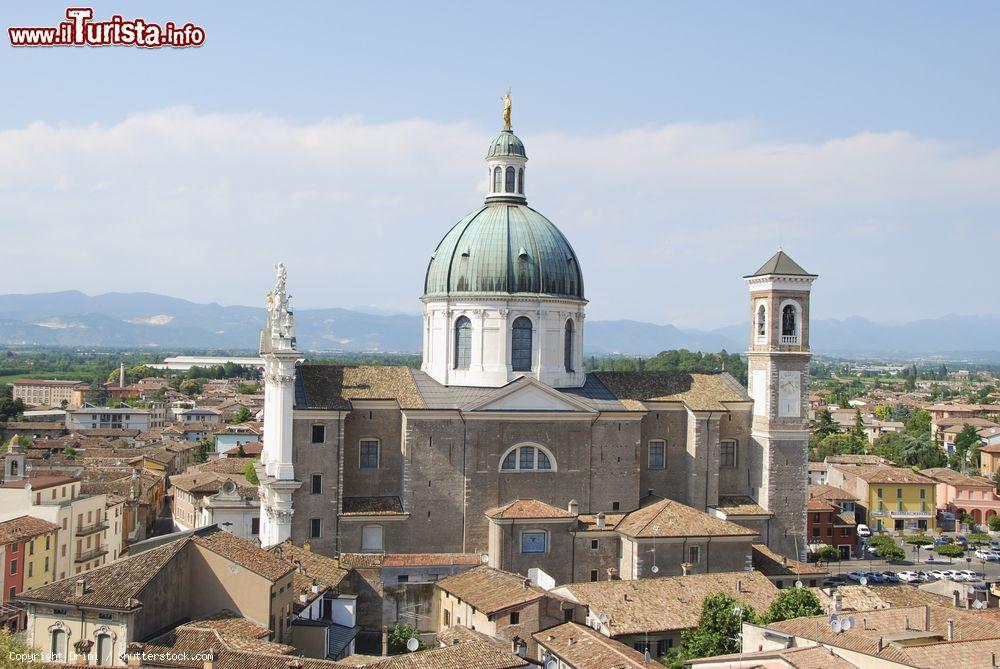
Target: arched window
{"x":568,"y":346}
{"x":58,"y":647}
{"x":105,"y":650}
{"x":761,"y":321}
{"x":510,"y":180}
{"x":497,"y":179}
{"x":527,"y":459}
{"x":463,"y":343}
{"x":520,"y":181}
{"x":789,"y":325}
{"x":520,"y":345}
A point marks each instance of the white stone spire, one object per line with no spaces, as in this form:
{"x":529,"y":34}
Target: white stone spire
{"x":276,"y":469}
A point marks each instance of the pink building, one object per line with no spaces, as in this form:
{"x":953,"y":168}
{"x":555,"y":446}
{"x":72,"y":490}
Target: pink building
{"x":961,"y":494}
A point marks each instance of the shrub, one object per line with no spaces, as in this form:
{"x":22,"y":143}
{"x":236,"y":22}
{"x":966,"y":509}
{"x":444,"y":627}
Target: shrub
{"x":978,"y":538}
{"x":918,"y":540}
{"x":951,"y":550}
{"x":890,"y":553}
{"x":251,"y":474}
{"x":994,"y":523}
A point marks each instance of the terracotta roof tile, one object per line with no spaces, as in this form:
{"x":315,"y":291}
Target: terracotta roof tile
{"x":584,"y":648}
{"x":665,"y":604}
{"x":885,"y":474}
{"x":668,"y":518}
{"x":770,"y":563}
{"x":361,"y":560}
{"x":243,"y":553}
{"x":527,"y":509}
{"x":490,"y":590}
{"x":430,"y":559}
{"x":740,"y":505}
{"x":24,"y":527}
{"x":696,"y":391}
{"x":334,"y":386}
{"x":469,"y":655}
{"x":388,"y":505}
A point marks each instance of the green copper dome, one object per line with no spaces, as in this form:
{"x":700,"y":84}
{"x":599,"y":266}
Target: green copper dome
{"x":506,"y":144}
{"x":504,"y":248}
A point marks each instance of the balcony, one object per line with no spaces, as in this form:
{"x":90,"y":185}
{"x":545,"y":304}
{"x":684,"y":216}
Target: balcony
{"x":92,"y":554}
{"x":84,"y":530}
{"x":790,"y":339}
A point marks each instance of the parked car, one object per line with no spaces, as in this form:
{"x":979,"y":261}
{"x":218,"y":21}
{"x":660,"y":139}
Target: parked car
{"x":949,"y":574}
{"x":970,"y":575}
{"x":962,"y":540}
{"x":856,"y":575}
{"x":985,"y":554}
{"x":908,"y":577}
{"x":836,"y":580}
{"x":995,"y":545}
{"x":936,"y":574}
{"x":864,"y":531}
{"x":890,"y":577}
{"x":941,"y":541}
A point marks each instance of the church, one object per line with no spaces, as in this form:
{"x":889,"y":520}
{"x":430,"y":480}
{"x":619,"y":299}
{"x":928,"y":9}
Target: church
{"x":502,"y":445}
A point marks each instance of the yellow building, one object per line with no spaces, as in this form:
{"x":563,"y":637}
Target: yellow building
{"x":895,"y":499}
{"x":40,"y":556}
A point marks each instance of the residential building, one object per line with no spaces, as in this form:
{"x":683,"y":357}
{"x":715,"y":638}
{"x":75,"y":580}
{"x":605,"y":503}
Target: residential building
{"x":893,"y":499}
{"x":234,"y":436}
{"x":576,"y":646}
{"x":502,"y":408}
{"x":83,"y":538}
{"x":500,"y":604}
{"x":959,"y":494}
{"x":43,"y":393}
{"x":650,"y":614}
{"x":841,"y":533}
{"x":113,"y":418}
{"x":785,"y":572}
{"x":204,"y":498}
{"x":27,"y":560}
{"x":198,"y":416}
{"x":161,"y":583}
{"x":948,"y":433}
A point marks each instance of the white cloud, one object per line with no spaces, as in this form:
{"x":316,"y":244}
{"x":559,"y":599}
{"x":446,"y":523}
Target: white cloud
{"x":665,"y":219}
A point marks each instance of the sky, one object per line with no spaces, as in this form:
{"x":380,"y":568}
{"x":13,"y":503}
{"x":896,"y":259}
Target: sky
{"x":678,"y":145}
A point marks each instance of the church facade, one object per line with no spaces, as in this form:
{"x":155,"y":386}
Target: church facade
{"x":502,"y":444}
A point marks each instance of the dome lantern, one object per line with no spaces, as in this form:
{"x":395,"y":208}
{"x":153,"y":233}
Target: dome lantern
{"x":505,"y":159}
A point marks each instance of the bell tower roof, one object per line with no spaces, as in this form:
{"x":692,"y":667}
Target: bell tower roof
{"x":781,"y":264}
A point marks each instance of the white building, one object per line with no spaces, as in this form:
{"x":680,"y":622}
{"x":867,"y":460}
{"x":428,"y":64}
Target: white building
{"x":108,"y":418}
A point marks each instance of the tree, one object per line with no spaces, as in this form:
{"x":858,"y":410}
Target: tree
{"x":890,"y":553}
{"x":793,"y":603}
{"x":242,"y":415}
{"x":15,"y":653}
{"x":402,"y":633}
{"x":251,"y":474}
{"x":994,"y":523}
{"x":837,"y":444}
{"x":919,"y":423}
{"x":827,"y":553}
{"x":718,"y":627}
{"x":978,"y":538}
{"x":825,"y":425}
{"x":10,"y":409}
{"x":190,"y":387}
{"x":858,"y":431}
{"x":71,"y":453}
{"x":966,"y":449}
{"x":918,"y":540}
{"x":883,"y":412}
{"x":950,"y":550}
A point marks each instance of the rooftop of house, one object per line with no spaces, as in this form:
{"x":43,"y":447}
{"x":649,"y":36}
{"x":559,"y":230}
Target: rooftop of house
{"x":857,"y":459}
{"x":667,"y":518}
{"x":253,"y":448}
{"x":581,"y":647}
{"x":310,"y":568}
{"x":24,"y":527}
{"x":885,"y":474}
{"x":951,"y":477}
{"x":40,"y":482}
{"x":491,"y":590}
{"x":528,"y":509}
{"x":740,"y":505}
{"x":667,"y":604}
{"x":817,"y":504}
{"x":223,"y":631}
{"x":224,"y":465}
{"x":475,"y":654}
{"x":808,"y":657}
{"x":830,"y":493}
{"x":770,"y":563}
{"x":243,"y":553}
{"x":457,"y":634}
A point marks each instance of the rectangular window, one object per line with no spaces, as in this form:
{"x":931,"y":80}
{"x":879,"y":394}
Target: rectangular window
{"x":31,"y":569}
{"x":615,"y":506}
{"x":403,"y":578}
{"x":13,"y":566}
{"x":255,"y":526}
{"x":727,"y":454}
{"x":369,"y":453}
{"x":899,"y":493}
{"x":593,"y":575}
{"x":694,"y":554}
{"x":12,"y":592}
{"x":315,"y":527}
{"x":318,"y":434}
{"x":515,"y":617}
{"x":317,"y":484}
{"x":923,"y":494}
{"x":371,"y":538}
{"x":878,"y":492}
{"x":532,"y":542}
{"x":657,"y":454}
{"x":595,"y":544}
{"x":815,"y":531}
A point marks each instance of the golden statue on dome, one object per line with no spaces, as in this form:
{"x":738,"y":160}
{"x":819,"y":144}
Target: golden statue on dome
{"x":506,"y":110}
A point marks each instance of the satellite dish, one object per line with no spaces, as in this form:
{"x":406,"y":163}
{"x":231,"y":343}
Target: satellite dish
{"x":978,"y":604}
{"x":551,"y":663}
{"x":798,"y":584}
{"x":654,"y":569}
{"x":863,"y":581}
{"x":846,"y":624}
{"x":484,"y":558}
{"x":836,"y":626}
{"x":603,"y":618}
{"x":412,"y":644}
{"x":649,"y":656}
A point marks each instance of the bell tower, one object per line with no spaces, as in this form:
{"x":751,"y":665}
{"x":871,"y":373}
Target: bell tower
{"x":778,"y":376}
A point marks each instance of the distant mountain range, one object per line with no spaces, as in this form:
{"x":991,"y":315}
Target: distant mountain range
{"x":133,"y":320}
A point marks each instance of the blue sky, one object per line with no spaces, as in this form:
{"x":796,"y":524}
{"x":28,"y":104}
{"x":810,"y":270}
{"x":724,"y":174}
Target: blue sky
{"x":891,"y":108}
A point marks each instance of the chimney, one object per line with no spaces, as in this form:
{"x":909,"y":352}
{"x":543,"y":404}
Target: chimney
{"x":385,"y":640}
{"x":906,"y":623}
{"x":951,"y":630}
{"x":298,"y":567}
{"x":81,"y":587}
{"x":600,"y":520}
{"x":784,"y":561}
{"x":573,"y":507}
{"x":927,"y":618}
{"x":307,"y":545}
{"x":864,"y":623}
{"x":303,"y":599}
{"x":881,"y":644}
{"x":121,"y":376}
{"x":739,"y":585}
{"x":838,"y":602}
{"x":315,"y":587}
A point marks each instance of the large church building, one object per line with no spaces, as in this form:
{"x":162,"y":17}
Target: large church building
{"x":502,"y":445}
